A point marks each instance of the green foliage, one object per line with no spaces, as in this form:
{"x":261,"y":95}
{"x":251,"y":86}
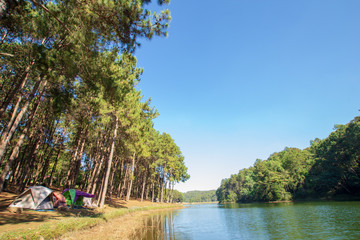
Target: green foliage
{"x":200,"y":196}
{"x":69,"y":65}
{"x":336,"y":170}
{"x":327,"y":168}
{"x":178,"y":196}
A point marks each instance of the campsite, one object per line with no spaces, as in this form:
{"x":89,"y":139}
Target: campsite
{"x":108,"y":106}
{"x":34,"y":224}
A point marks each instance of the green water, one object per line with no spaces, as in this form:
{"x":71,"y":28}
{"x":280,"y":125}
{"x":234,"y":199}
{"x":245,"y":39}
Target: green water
{"x":309,"y":220}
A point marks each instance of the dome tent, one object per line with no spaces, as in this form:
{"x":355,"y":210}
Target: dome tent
{"x":35,"y":197}
{"x":75,"y":197}
{"x":59,"y":199}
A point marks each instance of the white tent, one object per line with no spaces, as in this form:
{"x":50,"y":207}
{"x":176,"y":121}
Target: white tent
{"x":88,"y":202}
{"x":36,"y":197}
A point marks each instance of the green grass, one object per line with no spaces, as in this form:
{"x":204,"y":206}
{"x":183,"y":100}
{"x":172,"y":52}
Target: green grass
{"x":58,"y":228}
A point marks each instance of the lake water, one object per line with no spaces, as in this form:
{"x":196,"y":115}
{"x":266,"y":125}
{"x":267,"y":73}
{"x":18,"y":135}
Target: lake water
{"x":308,"y":220}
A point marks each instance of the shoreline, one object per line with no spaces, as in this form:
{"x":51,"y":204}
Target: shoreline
{"x":124,"y":227}
{"x":194,"y":203}
{"x":339,"y":198}
{"x":30,"y":224}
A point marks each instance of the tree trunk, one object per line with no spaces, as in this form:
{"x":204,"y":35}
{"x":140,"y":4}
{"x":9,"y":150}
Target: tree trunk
{"x":147,"y":191}
{"x":112,"y":178}
{"x":121,"y":173}
{"x":17,"y":88}
{"x":171,"y":189}
{"x":78,"y":163}
{"x":73,"y":159}
{"x":166,"y":192}
{"x":96,"y":177}
{"x":87,"y":171}
{"x":131,"y":179}
{"x":37,"y":173}
{"x":8,"y":135}
{"x":37,"y":161}
{"x":12,"y":119}
{"x":16,"y":167}
{"x":97,"y":158}
{"x":48,"y":157}
{"x":124,"y":182}
{"x":16,"y":149}
{"x":54,"y":167}
{"x":42,"y":163}
{"x":100,"y":191}
{"x":102,"y":199}
{"x":32,"y":159}
{"x":25,"y":164}
{"x":153,"y":191}
{"x":158,"y":192}
{"x":92,"y":174}
{"x":143,"y":187}
{"x":162,"y":185}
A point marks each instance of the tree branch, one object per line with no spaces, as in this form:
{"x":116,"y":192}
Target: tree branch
{"x":48,"y":11}
{"x":6,"y":54}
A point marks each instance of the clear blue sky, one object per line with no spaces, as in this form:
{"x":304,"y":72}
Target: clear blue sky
{"x":238,"y":80}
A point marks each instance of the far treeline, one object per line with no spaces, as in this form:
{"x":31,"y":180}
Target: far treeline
{"x":200,"y":196}
{"x":70,"y":113}
{"x":328,"y":169}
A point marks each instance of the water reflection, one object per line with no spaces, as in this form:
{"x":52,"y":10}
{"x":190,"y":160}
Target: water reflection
{"x":319,"y":220}
{"x":313,"y":220}
{"x":158,"y":226}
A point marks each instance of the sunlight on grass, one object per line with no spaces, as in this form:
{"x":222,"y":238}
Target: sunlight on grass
{"x":55,"y":230}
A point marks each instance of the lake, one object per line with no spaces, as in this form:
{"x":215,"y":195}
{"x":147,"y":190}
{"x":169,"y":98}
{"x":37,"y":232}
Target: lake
{"x":307,"y":220}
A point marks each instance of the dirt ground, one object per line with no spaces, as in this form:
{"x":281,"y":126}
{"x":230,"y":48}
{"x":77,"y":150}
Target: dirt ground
{"x":10,"y":219}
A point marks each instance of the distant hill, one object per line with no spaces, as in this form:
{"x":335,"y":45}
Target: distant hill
{"x":200,"y":196}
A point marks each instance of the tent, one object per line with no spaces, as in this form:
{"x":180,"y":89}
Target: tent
{"x":88,"y":202}
{"x":59,"y":199}
{"x":75,"y":197}
{"x":35,"y":197}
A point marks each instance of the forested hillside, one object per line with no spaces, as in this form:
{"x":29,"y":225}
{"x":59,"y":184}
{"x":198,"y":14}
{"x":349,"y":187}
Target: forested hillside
{"x":200,"y":196}
{"x":70,"y":113}
{"x":327,"y":168}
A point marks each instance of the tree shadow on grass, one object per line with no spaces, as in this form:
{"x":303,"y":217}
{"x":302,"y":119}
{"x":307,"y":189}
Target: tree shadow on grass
{"x":17,"y":216}
{"x":83,"y":212}
{"x":116,"y":203}
{"x":21,"y":218}
{"x":6,"y":198}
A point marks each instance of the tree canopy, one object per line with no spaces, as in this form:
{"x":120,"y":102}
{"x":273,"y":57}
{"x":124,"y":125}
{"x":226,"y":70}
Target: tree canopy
{"x":326,"y":169}
{"x":200,"y":196}
{"x":70,"y":113}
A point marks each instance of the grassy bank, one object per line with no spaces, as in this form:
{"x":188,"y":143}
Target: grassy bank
{"x":50,"y":225}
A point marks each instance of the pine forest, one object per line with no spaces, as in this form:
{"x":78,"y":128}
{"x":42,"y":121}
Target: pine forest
{"x":70,"y":113}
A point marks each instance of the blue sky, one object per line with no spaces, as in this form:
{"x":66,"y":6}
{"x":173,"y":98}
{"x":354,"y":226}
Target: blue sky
{"x":238,"y":80}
